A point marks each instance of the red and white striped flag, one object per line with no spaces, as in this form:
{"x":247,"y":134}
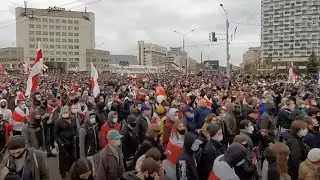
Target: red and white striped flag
{"x":292,"y":75}
{"x":34,"y":73}
{"x":176,"y":66}
{"x":94,"y":81}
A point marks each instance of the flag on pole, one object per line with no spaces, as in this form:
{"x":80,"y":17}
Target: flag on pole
{"x":176,"y":66}
{"x":94,"y":81}
{"x":292,"y":76}
{"x":34,"y":73}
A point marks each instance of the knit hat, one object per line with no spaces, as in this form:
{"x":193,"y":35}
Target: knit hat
{"x":234,"y":154}
{"x":314,"y":155}
{"x":131,"y":119}
{"x":16,"y":142}
{"x":212,"y":129}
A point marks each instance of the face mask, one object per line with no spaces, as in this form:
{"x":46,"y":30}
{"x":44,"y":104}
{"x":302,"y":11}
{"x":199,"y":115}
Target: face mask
{"x":316,"y":128}
{"x":131,"y":126}
{"x":114,"y":120}
{"x":239,"y":163}
{"x":218,"y":138}
{"x":117,"y":142}
{"x":149,"y":178}
{"x":303,"y":132}
{"x":251,"y":129}
{"x":3,"y":105}
{"x":92,"y":120}
{"x":191,"y":115}
{"x":182,"y":132}
{"x":313,"y":103}
{"x":20,"y":155}
{"x":176,"y":118}
{"x":245,"y":145}
{"x":23,"y":106}
{"x":65,"y":115}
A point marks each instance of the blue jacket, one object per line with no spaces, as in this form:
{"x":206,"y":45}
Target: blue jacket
{"x":313,"y":139}
{"x":199,"y":116}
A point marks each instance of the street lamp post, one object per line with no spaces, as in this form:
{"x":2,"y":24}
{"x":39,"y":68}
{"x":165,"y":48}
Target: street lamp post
{"x":183,"y":36}
{"x":227,"y":40}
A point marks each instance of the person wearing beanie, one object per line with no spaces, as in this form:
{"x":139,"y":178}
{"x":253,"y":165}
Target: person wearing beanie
{"x":309,"y":169}
{"x":186,"y":166}
{"x":65,"y":132}
{"x":211,"y":151}
{"x":112,"y":123}
{"x":224,"y":164}
{"x":110,"y":161}
{"x":130,"y":141}
{"x":25,"y":163}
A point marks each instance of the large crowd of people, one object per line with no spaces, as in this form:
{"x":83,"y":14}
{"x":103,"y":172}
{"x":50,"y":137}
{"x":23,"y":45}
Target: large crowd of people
{"x":161,"y":127}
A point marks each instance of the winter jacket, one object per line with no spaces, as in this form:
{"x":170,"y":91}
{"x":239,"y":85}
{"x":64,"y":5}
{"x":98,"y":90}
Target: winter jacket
{"x":200,"y":114}
{"x":19,"y":118}
{"x":285,"y":118}
{"x":186,"y":167}
{"x":101,"y":115}
{"x":106,"y":127}
{"x":168,"y":125}
{"x":65,"y":133}
{"x":309,"y":171}
{"x":267,"y":122}
{"x":223,"y":170}
{"x":246,"y":171}
{"x":142,"y":127}
{"x":88,"y":139}
{"x":298,"y":152}
{"x":231,"y":124}
{"x":5,"y":111}
{"x":211,"y":151}
{"x":313,"y":139}
{"x":130,"y":175}
{"x":109,"y":164}
{"x":35,"y":166}
{"x":30,"y":134}
{"x":130,"y":142}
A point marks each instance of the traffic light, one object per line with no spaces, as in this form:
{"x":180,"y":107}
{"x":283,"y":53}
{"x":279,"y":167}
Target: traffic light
{"x":212,"y":37}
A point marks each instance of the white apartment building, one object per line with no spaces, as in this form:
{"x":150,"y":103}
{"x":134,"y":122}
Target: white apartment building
{"x":151,"y":54}
{"x":64,"y":35}
{"x":290,"y":30}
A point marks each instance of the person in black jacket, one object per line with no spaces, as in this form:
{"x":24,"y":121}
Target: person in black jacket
{"x":89,"y":137}
{"x":313,"y":136}
{"x":65,"y":133}
{"x":298,"y":148}
{"x":286,"y":115}
{"x":186,"y":167}
{"x":152,"y":140}
{"x":130,"y":141}
{"x":212,"y":150}
{"x":143,"y":121}
{"x":101,"y":115}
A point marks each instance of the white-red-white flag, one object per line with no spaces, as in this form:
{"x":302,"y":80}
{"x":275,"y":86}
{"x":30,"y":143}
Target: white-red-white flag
{"x":34,"y":73}
{"x":94,"y":81}
{"x":292,"y":75}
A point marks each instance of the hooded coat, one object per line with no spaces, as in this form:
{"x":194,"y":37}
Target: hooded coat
{"x":101,"y":115}
{"x":5,"y":111}
{"x":224,"y":164}
{"x":186,"y":167}
{"x":109,"y":125}
{"x":167,"y":125}
{"x":130,"y":140}
{"x":88,"y":138}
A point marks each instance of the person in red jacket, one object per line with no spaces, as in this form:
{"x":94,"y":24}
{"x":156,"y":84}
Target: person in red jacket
{"x":5,"y":129}
{"x":112,"y":123}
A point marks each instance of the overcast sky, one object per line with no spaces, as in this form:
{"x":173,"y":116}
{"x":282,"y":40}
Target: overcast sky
{"x":121,"y":23}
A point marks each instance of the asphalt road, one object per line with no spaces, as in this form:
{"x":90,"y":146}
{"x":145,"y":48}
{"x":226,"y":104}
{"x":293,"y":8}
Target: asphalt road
{"x":53,"y":164}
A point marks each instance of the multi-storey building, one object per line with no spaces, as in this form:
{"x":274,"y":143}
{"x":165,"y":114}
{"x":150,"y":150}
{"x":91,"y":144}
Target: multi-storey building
{"x":251,"y":60}
{"x":290,"y":31}
{"x":11,"y":58}
{"x":151,"y":54}
{"x":116,"y":59}
{"x":100,"y":59}
{"x":64,"y":35}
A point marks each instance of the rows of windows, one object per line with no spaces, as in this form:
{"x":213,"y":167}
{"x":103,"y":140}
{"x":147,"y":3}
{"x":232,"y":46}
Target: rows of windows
{"x":52,"y":27}
{"x":63,"y":21}
{"x":38,"y":33}
{"x":64,"y":40}
{"x":51,"y":46}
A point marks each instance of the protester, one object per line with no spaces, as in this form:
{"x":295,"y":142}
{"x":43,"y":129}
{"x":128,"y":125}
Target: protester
{"x":267,"y":122}
{"x":130,"y":141}
{"x":309,"y":169}
{"x":110,"y":124}
{"x":81,"y":169}
{"x":23,"y":162}
{"x":33,"y":132}
{"x":313,"y":136}
{"x":275,"y":166}
{"x":5,"y":111}
{"x":110,"y":161}
{"x":230,"y":121}
{"x":5,"y":130}
{"x":149,"y":170}
{"x":65,"y":133}
{"x":19,"y":115}
{"x":200,"y":113}
{"x":298,"y":148}
{"x":167,"y":125}
{"x":143,"y":122}
{"x":186,"y":166}
{"x":224,"y":164}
